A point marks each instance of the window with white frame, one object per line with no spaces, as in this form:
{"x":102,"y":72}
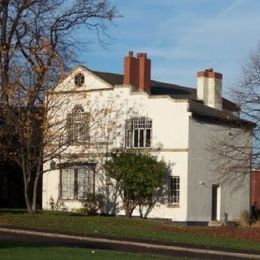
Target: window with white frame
{"x":78,"y":125}
{"x":174,"y":190}
{"x":76,"y":183}
{"x":138,"y":132}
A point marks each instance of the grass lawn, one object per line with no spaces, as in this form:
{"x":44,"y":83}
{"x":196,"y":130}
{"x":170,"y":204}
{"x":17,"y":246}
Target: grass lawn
{"x":20,"y":251}
{"x":225,"y":237}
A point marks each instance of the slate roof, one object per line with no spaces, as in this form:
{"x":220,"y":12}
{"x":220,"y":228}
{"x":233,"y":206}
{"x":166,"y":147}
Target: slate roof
{"x":203,"y":112}
{"x":157,"y":87}
{"x":162,"y":88}
{"x":196,"y":107}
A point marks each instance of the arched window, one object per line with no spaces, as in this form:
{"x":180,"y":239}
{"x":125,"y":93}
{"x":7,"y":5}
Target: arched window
{"x":78,"y":125}
{"x":138,"y":132}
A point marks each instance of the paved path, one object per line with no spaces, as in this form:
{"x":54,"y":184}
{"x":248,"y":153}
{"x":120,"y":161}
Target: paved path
{"x":57,"y":239}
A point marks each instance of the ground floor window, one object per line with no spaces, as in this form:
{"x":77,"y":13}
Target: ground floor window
{"x":76,"y":183}
{"x":174,"y":190}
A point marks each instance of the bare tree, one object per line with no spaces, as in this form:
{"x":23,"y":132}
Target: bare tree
{"x":235,"y":147}
{"x":35,"y":48}
{"x":230,"y":151}
{"x":248,"y":97}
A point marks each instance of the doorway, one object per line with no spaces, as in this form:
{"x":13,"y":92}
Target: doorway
{"x":215,"y":215}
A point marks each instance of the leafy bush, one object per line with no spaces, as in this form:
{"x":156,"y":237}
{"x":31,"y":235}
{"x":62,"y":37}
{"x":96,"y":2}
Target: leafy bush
{"x":139,"y":177}
{"x":94,"y":204}
{"x":80,"y":211}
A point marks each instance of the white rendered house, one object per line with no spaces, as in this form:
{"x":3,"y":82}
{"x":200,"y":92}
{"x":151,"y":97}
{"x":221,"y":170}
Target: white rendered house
{"x":104,"y":111}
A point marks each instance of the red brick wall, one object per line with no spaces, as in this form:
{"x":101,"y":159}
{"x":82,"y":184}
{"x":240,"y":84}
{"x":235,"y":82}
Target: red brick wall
{"x":137,"y":71}
{"x":144,"y":72}
{"x":255,"y":188}
{"x":131,"y":70}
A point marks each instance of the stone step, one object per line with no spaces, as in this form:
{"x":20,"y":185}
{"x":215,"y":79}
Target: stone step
{"x":215,"y":223}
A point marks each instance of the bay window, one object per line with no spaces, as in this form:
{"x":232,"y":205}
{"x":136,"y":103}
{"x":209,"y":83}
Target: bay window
{"x":77,"y":183}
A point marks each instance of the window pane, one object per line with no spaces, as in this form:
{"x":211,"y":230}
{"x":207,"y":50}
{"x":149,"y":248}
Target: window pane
{"x":82,"y":183}
{"x":174,"y":189}
{"x":148,"y":138}
{"x":78,"y":125}
{"x":141,"y":138}
{"x":67,"y":183}
{"x":136,"y":138}
{"x":85,"y":182}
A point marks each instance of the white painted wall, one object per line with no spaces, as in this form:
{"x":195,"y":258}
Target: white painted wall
{"x":209,"y":90}
{"x":169,"y":133}
{"x":50,"y":186}
{"x":176,"y":138}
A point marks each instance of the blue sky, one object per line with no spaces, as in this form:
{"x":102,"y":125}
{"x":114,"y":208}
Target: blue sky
{"x":181,"y":37}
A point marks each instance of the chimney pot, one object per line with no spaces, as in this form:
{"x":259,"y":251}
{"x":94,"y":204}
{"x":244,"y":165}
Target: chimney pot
{"x":130,"y":53}
{"x":142,"y":55}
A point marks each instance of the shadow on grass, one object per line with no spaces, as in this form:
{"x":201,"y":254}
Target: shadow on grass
{"x":13,"y":211}
{"x":43,"y":243}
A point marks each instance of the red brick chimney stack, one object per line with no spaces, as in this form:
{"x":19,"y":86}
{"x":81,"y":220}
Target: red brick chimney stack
{"x":137,"y":71}
{"x":144,"y":72}
{"x":131,"y":70}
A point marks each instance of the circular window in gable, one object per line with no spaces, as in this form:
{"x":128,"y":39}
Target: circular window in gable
{"x":79,"y":80}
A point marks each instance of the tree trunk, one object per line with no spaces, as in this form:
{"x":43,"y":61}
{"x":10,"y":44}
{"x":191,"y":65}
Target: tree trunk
{"x":128,"y":209}
{"x":35,"y":191}
{"x":27,"y":198}
{"x":26,"y":183}
{"x":128,"y":213}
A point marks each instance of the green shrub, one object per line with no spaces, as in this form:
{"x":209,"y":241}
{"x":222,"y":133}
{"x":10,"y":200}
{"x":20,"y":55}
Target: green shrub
{"x":94,"y":204}
{"x":81,"y":211}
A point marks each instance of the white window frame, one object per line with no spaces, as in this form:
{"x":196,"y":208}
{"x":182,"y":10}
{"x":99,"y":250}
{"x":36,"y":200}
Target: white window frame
{"x":78,"y":125}
{"x":137,"y":130}
{"x":78,"y":183}
{"x":174,"y":190}
{"x":67,"y":184}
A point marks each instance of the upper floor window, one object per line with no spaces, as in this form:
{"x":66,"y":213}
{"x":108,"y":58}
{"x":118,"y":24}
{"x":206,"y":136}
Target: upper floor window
{"x":78,"y":125}
{"x":138,"y":132}
{"x":79,"y":80}
{"x":174,"y":190}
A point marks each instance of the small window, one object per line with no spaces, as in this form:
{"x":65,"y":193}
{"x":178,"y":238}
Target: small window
{"x":138,"y":132}
{"x":174,"y":190}
{"x":79,"y":80}
{"x":78,"y":125}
